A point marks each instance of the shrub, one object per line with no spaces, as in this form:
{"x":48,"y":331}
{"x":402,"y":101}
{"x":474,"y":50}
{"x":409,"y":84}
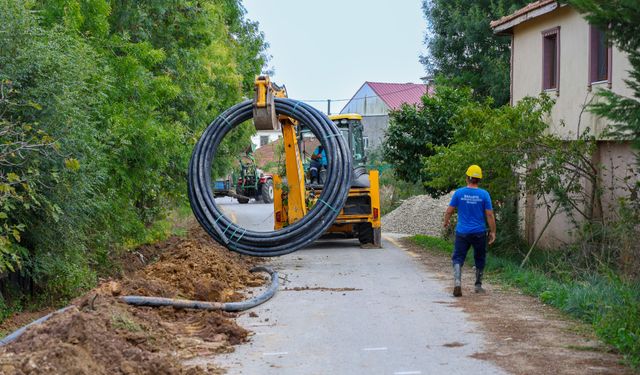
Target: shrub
{"x":100,"y":103}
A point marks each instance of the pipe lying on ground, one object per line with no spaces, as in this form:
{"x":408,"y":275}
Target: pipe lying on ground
{"x":177,"y":303}
{"x":297,"y":235}
{"x":17,"y":333}
{"x":204,"y":305}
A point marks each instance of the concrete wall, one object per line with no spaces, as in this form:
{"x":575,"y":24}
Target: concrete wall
{"x":374,"y":112}
{"x":574,"y":65}
{"x":567,"y":117}
{"x":617,"y":173}
{"x":375,"y":128}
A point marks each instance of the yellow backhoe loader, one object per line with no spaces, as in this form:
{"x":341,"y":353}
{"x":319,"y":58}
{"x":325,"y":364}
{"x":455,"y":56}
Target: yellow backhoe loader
{"x":295,"y":195}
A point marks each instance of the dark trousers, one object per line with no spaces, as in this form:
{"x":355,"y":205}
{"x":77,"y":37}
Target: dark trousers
{"x":315,"y":167}
{"x":466,"y":240}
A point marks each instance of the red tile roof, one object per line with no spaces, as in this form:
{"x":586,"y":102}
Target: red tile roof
{"x":524,"y":10}
{"x":395,"y":94}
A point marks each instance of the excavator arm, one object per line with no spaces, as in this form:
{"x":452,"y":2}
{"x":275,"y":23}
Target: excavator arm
{"x":265,"y":118}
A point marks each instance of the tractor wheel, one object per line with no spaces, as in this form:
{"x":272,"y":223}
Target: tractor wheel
{"x":243,"y":200}
{"x":267,"y":192}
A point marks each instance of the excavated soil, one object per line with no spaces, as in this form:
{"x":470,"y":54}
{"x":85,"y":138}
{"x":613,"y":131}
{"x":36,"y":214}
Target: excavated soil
{"x":101,"y":335}
{"x":524,"y":336}
{"x":196,"y":268}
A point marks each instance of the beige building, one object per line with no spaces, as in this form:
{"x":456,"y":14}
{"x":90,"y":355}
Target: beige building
{"x":555,"y":50}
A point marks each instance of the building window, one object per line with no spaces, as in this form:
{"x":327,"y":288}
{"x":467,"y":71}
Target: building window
{"x":551,"y":59}
{"x":599,"y":56}
{"x":264,"y":139}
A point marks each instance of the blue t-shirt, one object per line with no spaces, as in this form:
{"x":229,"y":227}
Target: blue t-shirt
{"x":323,"y":154}
{"x":471,"y":203}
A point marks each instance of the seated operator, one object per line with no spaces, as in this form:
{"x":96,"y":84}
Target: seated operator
{"x":318,"y":162}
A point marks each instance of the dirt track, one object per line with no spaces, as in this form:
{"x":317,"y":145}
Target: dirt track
{"x":524,"y":335}
{"x":101,"y":335}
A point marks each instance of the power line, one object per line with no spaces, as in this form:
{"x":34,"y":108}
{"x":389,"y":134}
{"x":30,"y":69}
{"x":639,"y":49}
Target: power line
{"x":361,"y":98}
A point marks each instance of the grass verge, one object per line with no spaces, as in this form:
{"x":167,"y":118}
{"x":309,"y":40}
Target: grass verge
{"x":610,"y":305}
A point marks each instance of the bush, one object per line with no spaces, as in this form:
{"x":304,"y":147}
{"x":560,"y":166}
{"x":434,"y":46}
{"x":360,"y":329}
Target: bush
{"x":100,"y":104}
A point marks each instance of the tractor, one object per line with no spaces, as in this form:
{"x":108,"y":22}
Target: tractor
{"x":253,"y":182}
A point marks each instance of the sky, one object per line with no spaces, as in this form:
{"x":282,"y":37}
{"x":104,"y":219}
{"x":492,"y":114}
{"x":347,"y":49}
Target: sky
{"x":327,"y":49}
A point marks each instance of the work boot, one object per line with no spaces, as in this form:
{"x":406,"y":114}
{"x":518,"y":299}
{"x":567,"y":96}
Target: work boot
{"x":479,"y":274}
{"x":457,"y":280}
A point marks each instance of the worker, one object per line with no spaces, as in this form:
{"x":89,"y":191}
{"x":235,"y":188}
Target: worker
{"x":318,"y":163}
{"x":474,"y":207}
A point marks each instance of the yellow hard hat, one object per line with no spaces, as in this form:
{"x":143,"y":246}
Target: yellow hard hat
{"x":474,"y":171}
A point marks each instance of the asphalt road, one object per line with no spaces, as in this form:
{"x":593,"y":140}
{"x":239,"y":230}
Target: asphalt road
{"x":342,"y":309}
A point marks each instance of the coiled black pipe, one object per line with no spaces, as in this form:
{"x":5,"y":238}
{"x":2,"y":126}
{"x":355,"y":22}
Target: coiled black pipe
{"x":296,"y":235}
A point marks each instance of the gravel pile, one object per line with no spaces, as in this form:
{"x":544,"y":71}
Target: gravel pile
{"x":420,"y":214}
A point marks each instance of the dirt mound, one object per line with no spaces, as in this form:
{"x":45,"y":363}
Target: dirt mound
{"x":195,"y":268}
{"x":419,"y":214}
{"x":101,"y":335}
{"x":146,"y":254}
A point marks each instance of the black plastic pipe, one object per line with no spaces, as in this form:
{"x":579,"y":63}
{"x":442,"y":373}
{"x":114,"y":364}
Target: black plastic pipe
{"x":205,"y":305}
{"x":296,"y":235}
{"x":178,"y":303}
{"x":17,"y":333}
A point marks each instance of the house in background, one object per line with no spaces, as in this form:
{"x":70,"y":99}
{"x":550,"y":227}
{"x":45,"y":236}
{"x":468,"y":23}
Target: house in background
{"x":555,"y":50}
{"x":374,"y":100}
{"x":264,"y":137}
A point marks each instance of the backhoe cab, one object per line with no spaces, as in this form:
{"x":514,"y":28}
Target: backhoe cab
{"x":351,"y":127}
{"x":360,"y":216}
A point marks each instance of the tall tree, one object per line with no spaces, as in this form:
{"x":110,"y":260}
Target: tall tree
{"x":415,"y":131}
{"x":462,"y":47}
{"x":100,"y":104}
{"x":621,"y":20}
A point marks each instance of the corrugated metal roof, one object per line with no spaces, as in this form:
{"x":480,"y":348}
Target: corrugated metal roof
{"x":395,"y":94}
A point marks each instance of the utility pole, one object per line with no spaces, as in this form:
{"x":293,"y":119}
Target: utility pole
{"x":328,"y":107}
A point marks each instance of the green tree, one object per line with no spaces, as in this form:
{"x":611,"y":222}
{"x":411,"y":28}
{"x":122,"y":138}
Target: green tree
{"x":620,"y":19}
{"x":55,"y":81}
{"x":100,"y":104}
{"x":519,"y":158}
{"x":414,"y":131}
{"x":462,"y":47}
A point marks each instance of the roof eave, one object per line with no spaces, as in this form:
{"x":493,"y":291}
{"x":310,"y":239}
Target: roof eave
{"x":506,"y":27}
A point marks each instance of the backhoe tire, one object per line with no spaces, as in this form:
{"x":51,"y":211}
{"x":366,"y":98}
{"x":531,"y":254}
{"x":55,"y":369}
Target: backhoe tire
{"x":365,"y":233}
{"x":267,"y":192}
{"x":369,"y":235}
